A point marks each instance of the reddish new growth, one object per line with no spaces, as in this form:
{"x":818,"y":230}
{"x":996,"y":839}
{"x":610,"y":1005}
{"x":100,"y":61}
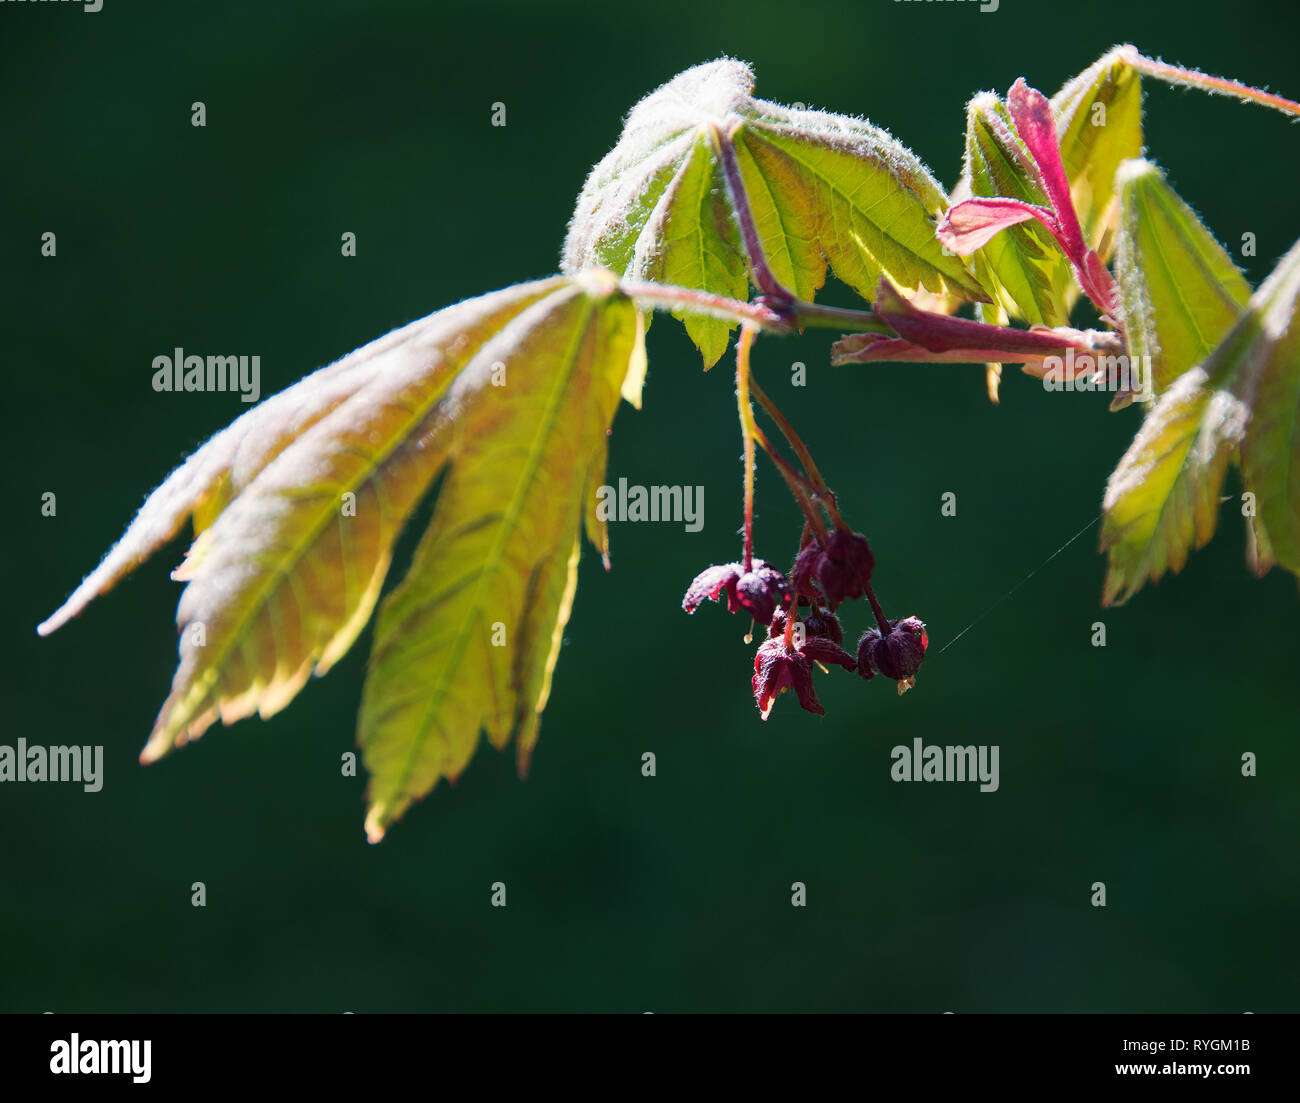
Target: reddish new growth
{"x":973,"y":223}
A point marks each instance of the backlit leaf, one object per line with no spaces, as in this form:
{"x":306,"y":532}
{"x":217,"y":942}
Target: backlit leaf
{"x":1180,"y":291}
{"x":1163,"y":498}
{"x":1270,"y":370}
{"x":820,"y":187}
{"x":500,"y":555}
{"x":842,"y":191}
{"x":298,"y":503}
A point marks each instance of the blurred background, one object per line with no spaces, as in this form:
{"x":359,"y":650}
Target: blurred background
{"x":1119,"y":764}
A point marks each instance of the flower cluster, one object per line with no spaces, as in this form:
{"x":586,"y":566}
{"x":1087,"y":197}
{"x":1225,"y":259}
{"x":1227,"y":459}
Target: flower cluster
{"x":824,"y":576}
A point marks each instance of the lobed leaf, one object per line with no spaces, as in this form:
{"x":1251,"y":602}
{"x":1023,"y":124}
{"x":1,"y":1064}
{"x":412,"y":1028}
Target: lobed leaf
{"x":202,"y":486}
{"x":845,"y":193}
{"x":821,"y":189}
{"x":690,"y":240}
{"x":297,"y":506}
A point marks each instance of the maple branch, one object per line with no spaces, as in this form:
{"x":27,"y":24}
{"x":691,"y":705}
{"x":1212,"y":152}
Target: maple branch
{"x":806,"y":314}
{"x":783,"y":317}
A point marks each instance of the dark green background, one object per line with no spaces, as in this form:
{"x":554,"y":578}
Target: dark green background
{"x":1119,"y":764}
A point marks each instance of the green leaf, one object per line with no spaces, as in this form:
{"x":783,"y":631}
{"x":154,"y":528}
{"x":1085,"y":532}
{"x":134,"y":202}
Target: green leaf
{"x":690,"y":240}
{"x":1259,"y":549}
{"x":1267,"y":358}
{"x":298,"y":503}
{"x":1180,"y":291}
{"x":842,"y":191}
{"x":499,"y":560}
{"x":654,"y":208}
{"x":1099,"y":122}
{"x":1163,"y":498}
{"x":1031,"y":275}
{"x":820,"y":187}
{"x":1181,"y":296}
{"x":204,"y":485}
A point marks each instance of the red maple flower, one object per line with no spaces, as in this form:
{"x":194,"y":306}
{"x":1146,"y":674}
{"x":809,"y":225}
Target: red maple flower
{"x":897,"y":655}
{"x":817,"y":622}
{"x":761,"y":592}
{"x":779,"y":666}
{"x":841,"y":568}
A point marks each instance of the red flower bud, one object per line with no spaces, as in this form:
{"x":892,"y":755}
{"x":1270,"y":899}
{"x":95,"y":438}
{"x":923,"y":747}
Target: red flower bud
{"x":761,"y":592}
{"x":711,"y":582}
{"x":845,"y":567}
{"x":897,"y":655}
{"x":840,"y":570}
{"x":817,"y":623}
{"x":803,"y":577}
{"x":824,"y":625}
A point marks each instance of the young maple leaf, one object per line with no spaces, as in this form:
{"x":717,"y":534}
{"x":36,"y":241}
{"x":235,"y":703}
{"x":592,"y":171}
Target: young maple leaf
{"x":297,"y":504}
{"x":822,"y":190}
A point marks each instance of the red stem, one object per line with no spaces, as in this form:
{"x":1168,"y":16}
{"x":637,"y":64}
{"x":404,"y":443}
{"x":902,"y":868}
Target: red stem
{"x":818,"y":485}
{"x":1177,"y":75}
{"x":881,"y":619}
{"x":799,"y":486}
{"x":747,"y":436}
{"x":667,"y":296}
{"x":764,"y":280}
